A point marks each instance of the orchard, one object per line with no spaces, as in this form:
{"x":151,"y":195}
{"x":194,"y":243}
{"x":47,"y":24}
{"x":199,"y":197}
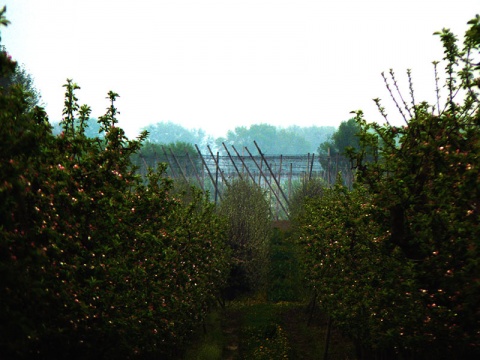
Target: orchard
{"x":395,"y":261}
{"x":98,"y":261}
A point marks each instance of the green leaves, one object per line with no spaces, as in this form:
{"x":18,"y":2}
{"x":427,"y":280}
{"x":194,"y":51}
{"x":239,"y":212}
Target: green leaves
{"x":395,"y":260}
{"x":247,"y":213}
{"x":90,"y":256}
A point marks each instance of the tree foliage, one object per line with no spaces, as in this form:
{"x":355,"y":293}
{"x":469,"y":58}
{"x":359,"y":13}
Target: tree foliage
{"x":342,"y":139}
{"x":182,"y":160}
{"x":247,"y":214}
{"x":272,"y":140}
{"x":94,"y":262}
{"x":304,"y":190}
{"x":21,"y":78}
{"x":92,"y":129}
{"x":171,"y":133}
{"x":395,"y":261}
{"x":332,"y":153}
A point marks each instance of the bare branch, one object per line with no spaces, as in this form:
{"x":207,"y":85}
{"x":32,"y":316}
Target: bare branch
{"x":437,"y":89}
{"x":392,"y":74}
{"x":393,"y":96}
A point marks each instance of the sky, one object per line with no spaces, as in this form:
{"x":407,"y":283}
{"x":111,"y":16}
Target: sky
{"x":219,"y":64}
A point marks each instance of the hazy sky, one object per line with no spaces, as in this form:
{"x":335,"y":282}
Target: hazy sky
{"x":219,"y":64}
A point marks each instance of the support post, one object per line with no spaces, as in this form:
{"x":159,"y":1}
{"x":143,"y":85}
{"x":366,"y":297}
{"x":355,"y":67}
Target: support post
{"x":208,"y":170}
{"x":266,"y":180}
{"x":269,"y":169}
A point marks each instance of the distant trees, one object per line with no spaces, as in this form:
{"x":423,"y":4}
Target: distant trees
{"x":273,"y":140}
{"x":332,"y":153}
{"x":171,"y":133}
{"x":293,"y":140}
{"x":344,"y":137}
{"x":313,"y":134}
{"x":153,"y":153}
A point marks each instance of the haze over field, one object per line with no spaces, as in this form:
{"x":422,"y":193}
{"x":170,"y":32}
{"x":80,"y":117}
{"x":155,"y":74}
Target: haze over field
{"x":220,"y":64}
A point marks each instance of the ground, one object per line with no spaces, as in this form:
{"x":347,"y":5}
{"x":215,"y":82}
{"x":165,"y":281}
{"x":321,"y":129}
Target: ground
{"x":275,"y":324}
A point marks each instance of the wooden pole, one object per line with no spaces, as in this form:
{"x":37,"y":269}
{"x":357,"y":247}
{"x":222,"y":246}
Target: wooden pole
{"x":217,"y":169}
{"x":311,"y":167}
{"x":195,"y":170}
{"x":274,"y":178}
{"x":208,"y":171}
{"x":233,"y":162}
{"x":218,"y":165}
{"x":244,"y":165}
{"x":266,"y":180}
{"x":279,"y":177}
{"x":308,"y":165}
{"x":178,"y":165}
{"x":261,"y":172}
{"x":168,"y":162}
{"x":290,"y":181}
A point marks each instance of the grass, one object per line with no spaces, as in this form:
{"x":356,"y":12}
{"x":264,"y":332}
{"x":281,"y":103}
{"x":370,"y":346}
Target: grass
{"x":263,"y":337}
{"x":273,"y":324}
{"x":208,"y":345}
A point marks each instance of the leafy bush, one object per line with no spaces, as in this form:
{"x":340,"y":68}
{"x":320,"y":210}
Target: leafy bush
{"x":247,"y":213}
{"x":302,"y":191}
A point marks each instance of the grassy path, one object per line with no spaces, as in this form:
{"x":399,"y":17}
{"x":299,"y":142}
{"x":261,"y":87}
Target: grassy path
{"x":265,"y":330}
{"x":273,"y":326}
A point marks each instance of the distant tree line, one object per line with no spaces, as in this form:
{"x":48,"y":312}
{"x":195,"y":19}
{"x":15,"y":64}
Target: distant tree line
{"x":293,"y":140}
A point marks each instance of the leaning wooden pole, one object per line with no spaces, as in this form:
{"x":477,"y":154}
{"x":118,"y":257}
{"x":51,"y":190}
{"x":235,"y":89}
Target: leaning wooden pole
{"x":290,"y":181}
{"x":208,"y":171}
{"x":266,"y":180}
{"x":271,"y":172}
{"x":174,"y":174}
{"x":217,"y":168}
{"x":244,"y":165}
{"x":280,"y":174}
{"x":306,"y":171}
{"x":311,"y":167}
{"x":195,"y":170}
{"x":178,"y":165}
{"x":217,"y":164}
{"x":233,"y":162}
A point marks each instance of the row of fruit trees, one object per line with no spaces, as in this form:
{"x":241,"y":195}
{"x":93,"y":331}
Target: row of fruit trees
{"x":395,"y":262}
{"x":96,"y":262}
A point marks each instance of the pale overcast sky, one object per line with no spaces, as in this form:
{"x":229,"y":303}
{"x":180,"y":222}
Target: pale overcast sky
{"x":219,"y":64}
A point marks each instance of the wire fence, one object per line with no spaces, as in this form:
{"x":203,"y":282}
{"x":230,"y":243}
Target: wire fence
{"x":278,"y":175}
